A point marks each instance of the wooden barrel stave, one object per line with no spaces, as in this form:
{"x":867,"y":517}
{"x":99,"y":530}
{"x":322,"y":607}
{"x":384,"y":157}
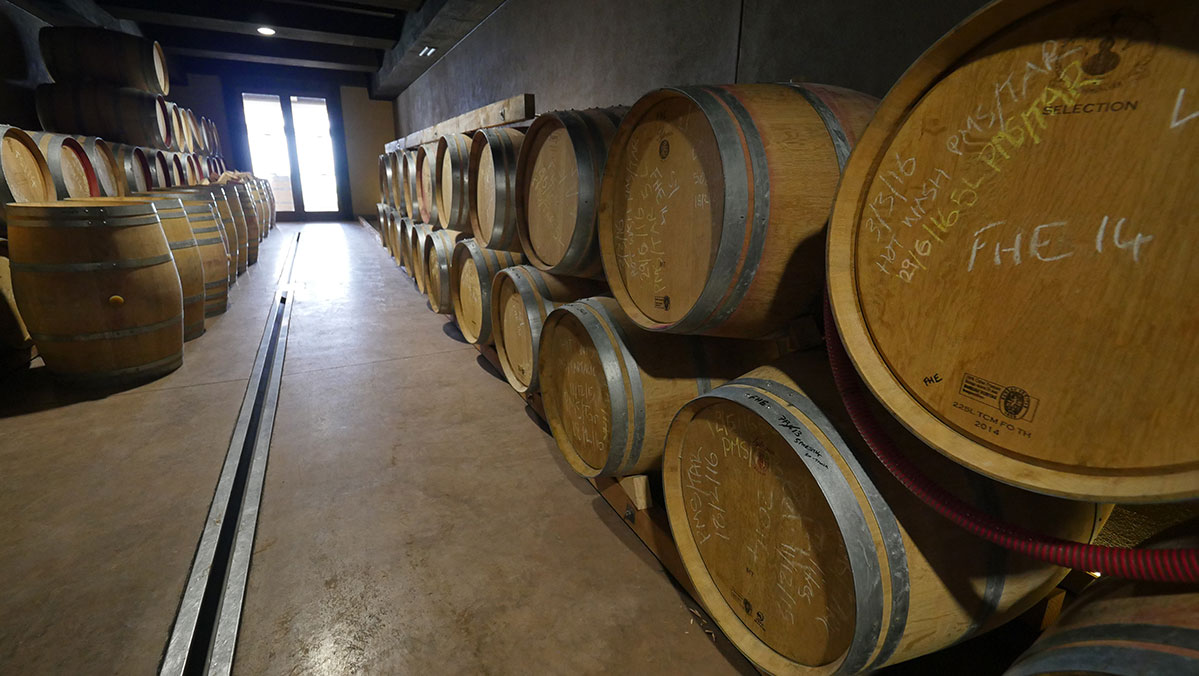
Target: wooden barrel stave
{"x":69,"y":164}
{"x":493,"y":191}
{"x":97,"y":288}
{"x":855,"y":573}
{"x":558,"y":176}
{"x":426,"y":173}
{"x":1008,"y":214}
{"x":75,"y":53}
{"x":439,"y":256}
{"x":453,"y":185}
{"x":472,"y":273}
{"x":521,"y":298}
{"x":610,"y":388}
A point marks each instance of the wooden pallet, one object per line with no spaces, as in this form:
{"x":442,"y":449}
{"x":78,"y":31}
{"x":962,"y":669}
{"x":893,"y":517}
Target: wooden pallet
{"x":629,"y":496}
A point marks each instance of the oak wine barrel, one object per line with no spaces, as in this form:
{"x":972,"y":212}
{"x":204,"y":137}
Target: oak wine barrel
{"x":69,"y":165}
{"x":1019,"y":293}
{"x":185,"y":254}
{"x":96,"y":286}
{"x":175,"y":122}
{"x":411,"y":183}
{"x":471,"y":274}
{"x":715,"y":200}
{"x":610,"y":388}
{"x":395,"y":183}
{"x":403,"y":225}
{"x":15,"y":344}
{"x":558,"y":176}
{"x":492,"y":187}
{"x":109,"y":173}
{"x":426,"y":173}
{"x":811,"y":557}
{"x":250,"y":213}
{"x":232,"y":233}
{"x":521,"y":298}
{"x":385,"y":174}
{"x":451,"y":193}
{"x":178,"y":172}
{"x":126,"y":115}
{"x":1123,"y":628}
{"x":160,"y":168}
{"x":74,"y":53}
{"x":135,"y":167}
{"x":416,"y":255}
{"x":212,"y":243}
{"x":439,"y":256}
{"x":26,"y":176}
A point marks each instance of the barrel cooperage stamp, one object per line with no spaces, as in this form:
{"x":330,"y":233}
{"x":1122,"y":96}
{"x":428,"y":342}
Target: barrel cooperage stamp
{"x":1014,"y":402}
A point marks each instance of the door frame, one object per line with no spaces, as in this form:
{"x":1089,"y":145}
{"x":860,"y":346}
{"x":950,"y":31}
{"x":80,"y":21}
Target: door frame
{"x":285,"y":88}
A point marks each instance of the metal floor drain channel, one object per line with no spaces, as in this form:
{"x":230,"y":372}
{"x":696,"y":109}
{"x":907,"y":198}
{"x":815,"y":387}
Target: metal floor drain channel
{"x":204,"y":635}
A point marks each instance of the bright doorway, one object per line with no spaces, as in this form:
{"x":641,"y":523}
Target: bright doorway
{"x":291,"y":145}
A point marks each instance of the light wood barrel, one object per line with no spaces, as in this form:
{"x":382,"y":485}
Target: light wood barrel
{"x":69,"y":165}
{"x":451,"y":193}
{"x":193,"y":169}
{"x":714,"y":204}
{"x":125,"y":115}
{"x":403,"y":224}
{"x":492,"y":187}
{"x":557,"y":185}
{"x":395,"y":182}
{"x":439,"y":256}
{"x":250,"y":214}
{"x":471,"y":274}
{"x":268,"y":191}
{"x":205,"y":141}
{"x":1122,"y":628}
{"x":610,"y":388}
{"x":380,"y":213}
{"x":411,"y":181}
{"x":175,"y":122}
{"x":135,"y":167}
{"x":74,"y":53}
{"x":109,"y":173}
{"x":1018,"y":300}
{"x":15,"y":344}
{"x":426,"y":172}
{"x":97,"y":288}
{"x":26,"y":176}
{"x":186,"y":255}
{"x":225,"y":220}
{"x":193,"y":131}
{"x":521,"y":298}
{"x":212,"y":243}
{"x":416,"y":254}
{"x":385,"y":174}
{"x":178,"y":172}
{"x":160,"y":168}
{"x":240,"y":226}
{"x":811,"y":557}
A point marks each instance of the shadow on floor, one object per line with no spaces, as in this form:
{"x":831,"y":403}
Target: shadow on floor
{"x":451,"y":329}
{"x":486,"y":365}
{"x":34,"y":389}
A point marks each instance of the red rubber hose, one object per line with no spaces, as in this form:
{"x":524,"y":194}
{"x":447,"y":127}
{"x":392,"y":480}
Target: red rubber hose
{"x":1154,"y":565}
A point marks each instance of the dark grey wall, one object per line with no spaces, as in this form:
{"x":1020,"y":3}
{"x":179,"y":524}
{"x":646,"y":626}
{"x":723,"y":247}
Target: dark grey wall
{"x":860,"y":44}
{"x":584,"y":53}
{"x":577,"y":54}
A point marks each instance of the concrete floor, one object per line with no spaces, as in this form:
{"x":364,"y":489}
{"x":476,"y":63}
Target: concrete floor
{"x":414,"y":518}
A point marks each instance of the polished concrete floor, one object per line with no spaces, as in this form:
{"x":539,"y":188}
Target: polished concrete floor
{"x":414,"y":519}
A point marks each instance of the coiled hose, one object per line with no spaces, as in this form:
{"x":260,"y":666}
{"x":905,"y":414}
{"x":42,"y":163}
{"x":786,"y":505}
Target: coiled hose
{"x":1154,"y":565}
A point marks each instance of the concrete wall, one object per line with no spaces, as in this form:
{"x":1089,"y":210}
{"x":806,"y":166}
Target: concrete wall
{"x":369,"y":124}
{"x":576,"y":54}
{"x":583,"y":53}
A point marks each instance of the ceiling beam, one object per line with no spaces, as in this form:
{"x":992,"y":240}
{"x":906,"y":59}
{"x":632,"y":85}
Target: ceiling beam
{"x":439,"y":24}
{"x":273,"y":13}
{"x":145,"y":16}
{"x":263,"y":50}
{"x":273,"y":60}
{"x":395,"y":5}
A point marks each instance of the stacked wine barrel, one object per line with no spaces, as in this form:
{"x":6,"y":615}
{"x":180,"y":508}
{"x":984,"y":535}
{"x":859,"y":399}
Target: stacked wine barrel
{"x":1016,"y":304}
{"x":113,"y":85}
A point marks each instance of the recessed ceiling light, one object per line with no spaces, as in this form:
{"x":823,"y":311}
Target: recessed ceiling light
{"x":427,"y":51}
{"x":266,"y":30}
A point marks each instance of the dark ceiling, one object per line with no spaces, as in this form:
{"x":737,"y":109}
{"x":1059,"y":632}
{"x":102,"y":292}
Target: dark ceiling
{"x":389,"y":42}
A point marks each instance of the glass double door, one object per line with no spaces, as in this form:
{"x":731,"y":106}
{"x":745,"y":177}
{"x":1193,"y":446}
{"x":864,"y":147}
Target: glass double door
{"x":292,"y":147}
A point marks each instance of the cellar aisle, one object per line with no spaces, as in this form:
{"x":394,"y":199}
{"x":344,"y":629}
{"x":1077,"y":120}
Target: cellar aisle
{"x":416,"y":520}
{"x":104,"y":495}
